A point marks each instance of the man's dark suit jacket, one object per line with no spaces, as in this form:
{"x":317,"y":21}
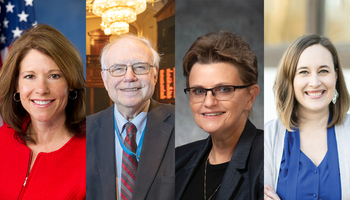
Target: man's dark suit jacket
{"x":244,"y":176}
{"x":155,"y":178}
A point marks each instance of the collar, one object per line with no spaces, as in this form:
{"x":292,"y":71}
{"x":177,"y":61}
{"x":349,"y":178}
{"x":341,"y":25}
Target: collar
{"x":138,"y":121}
{"x":244,"y":145}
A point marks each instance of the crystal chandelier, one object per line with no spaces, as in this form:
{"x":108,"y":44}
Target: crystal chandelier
{"x":117,"y":14}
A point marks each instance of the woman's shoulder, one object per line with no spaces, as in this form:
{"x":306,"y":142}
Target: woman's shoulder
{"x":273,"y":123}
{"x":345,"y":126}
{"x":189,"y":148}
{"x":273,"y":130}
{"x":273,"y":126}
{"x":346,"y":122}
{"x":185,"y":153}
{"x":6,"y":133}
{"x":9,"y":141}
{"x":5,"y":129}
{"x":342,"y":130}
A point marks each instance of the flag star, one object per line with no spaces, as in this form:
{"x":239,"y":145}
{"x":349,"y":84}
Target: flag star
{"x":17,"y":32}
{"x":29,"y":2}
{"x":35,"y":23}
{"x":23,"y":16}
{"x":6,"y":23}
{"x":9,"y":7}
{"x":3,"y":39}
{"x":2,"y":1}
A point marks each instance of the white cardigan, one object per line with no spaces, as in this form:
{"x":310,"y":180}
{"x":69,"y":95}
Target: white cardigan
{"x":273,"y":149}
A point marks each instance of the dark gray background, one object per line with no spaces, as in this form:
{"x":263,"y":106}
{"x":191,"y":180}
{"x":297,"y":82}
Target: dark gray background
{"x":195,"y":18}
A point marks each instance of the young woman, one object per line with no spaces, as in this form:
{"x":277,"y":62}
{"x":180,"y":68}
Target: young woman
{"x":306,"y":149}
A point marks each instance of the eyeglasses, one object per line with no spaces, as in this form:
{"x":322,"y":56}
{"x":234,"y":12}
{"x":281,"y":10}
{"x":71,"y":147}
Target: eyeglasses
{"x":221,"y":93}
{"x":120,"y":69}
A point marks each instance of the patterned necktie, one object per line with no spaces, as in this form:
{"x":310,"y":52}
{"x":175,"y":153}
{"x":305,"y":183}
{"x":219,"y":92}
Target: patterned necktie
{"x":129,"y":164}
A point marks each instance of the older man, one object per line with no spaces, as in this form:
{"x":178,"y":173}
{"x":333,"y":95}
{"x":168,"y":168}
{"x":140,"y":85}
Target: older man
{"x":130,"y":145}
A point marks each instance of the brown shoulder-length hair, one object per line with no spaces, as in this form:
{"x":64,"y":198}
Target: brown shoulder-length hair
{"x":52,"y":43}
{"x":222,"y":46}
{"x":283,"y":87}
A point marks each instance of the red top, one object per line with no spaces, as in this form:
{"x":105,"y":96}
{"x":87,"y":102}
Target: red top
{"x":60,"y":174}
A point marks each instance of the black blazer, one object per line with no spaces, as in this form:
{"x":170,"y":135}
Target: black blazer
{"x":155,"y":177}
{"x":244,"y":176}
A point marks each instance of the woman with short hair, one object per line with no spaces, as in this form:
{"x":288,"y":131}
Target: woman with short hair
{"x":221,"y":78}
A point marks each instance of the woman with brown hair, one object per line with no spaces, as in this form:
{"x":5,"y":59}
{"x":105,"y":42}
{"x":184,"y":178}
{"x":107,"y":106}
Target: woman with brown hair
{"x":306,"y":149}
{"x":42,"y":101}
{"x":221,"y":77}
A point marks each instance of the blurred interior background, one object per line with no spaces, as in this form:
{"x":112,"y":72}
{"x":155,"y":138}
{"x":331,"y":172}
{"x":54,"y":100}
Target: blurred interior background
{"x":285,"y":21}
{"x":157,"y":23}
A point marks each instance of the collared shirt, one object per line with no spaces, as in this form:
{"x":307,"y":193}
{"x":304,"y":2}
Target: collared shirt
{"x":140,"y":122}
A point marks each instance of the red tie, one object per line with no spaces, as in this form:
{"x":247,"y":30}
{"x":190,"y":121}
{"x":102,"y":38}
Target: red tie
{"x":129,"y":164}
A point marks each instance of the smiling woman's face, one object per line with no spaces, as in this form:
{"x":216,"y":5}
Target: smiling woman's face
{"x":43,"y":88}
{"x":219,"y":117}
{"x":315,"y":79}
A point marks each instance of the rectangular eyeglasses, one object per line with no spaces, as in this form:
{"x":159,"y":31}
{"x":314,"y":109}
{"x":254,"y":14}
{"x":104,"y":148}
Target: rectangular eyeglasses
{"x":221,"y":93}
{"x":120,"y":69}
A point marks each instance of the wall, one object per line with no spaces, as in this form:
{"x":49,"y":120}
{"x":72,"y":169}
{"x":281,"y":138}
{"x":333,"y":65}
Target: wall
{"x":91,"y":24}
{"x":67,"y":16}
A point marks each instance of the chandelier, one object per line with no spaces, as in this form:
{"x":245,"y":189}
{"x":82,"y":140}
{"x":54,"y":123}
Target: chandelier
{"x":152,"y":1}
{"x":117,"y":14}
{"x":89,"y":5}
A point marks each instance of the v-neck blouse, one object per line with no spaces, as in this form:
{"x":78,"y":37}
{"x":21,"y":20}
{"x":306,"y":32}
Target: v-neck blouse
{"x":299,"y":178}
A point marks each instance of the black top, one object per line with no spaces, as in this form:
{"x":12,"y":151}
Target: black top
{"x":195,"y":189}
{"x":244,"y":176}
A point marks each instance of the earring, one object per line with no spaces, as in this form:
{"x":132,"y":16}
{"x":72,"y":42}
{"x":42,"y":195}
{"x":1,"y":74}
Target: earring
{"x":75,"y":96}
{"x":334,"y":99}
{"x":14,"y":97}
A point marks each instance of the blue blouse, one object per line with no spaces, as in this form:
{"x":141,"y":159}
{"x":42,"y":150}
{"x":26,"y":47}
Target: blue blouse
{"x":299,"y":178}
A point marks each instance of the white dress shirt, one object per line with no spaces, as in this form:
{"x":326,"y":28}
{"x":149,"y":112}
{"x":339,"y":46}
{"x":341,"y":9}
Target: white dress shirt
{"x":140,"y":122}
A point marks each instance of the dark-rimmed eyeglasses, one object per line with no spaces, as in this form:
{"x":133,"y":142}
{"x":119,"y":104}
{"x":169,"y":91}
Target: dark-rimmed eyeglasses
{"x":120,"y":69}
{"x":221,"y":93}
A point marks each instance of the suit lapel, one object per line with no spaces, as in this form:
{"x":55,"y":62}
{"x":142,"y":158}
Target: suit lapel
{"x":229,"y":183}
{"x":232,"y":176}
{"x":192,"y":167}
{"x":103,"y":138}
{"x":155,"y":144}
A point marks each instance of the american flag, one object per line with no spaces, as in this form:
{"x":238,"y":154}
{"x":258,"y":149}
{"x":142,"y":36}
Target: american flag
{"x":16,"y":17}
